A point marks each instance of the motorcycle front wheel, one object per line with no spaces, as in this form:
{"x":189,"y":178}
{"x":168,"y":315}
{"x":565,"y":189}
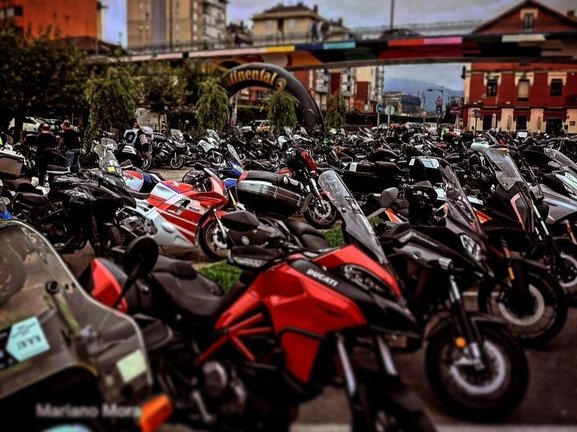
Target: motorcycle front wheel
{"x":176,"y":162}
{"x":381,"y":413}
{"x":147,"y":162}
{"x":486,"y":392}
{"x":212,"y":240}
{"x":110,"y":236}
{"x":535,"y":320}
{"x":321,"y":214}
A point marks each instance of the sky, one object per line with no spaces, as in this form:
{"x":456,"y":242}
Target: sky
{"x":362,"y":13}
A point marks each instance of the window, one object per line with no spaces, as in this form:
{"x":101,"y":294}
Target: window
{"x":492,"y":87}
{"x":292,"y":23}
{"x":528,"y":21}
{"x":523,"y":91}
{"x":556,"y":87}
{"x":521,"y":122}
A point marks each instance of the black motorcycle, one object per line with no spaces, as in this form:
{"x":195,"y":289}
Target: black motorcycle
{"x":473,"y":363}
{"x":78,"y":209}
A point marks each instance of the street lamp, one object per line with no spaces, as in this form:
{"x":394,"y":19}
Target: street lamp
{"x":442,"y":102}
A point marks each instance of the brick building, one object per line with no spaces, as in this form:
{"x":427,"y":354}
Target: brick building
{"x":80,"y":18}
{"x":513,"y":96}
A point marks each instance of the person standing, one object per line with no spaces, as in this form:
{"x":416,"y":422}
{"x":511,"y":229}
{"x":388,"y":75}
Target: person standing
{"x":44,"y":140}
{"x":71,"y":140}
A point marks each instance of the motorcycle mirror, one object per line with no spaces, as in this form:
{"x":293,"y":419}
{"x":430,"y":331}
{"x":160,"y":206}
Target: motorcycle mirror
{"x":240,"y":221}
{"x":140,"y":257}
{"x":388,"y":197}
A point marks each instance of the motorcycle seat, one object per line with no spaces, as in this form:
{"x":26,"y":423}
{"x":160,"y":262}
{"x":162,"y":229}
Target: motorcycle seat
{"x":276,"y":179}
{"x":138,"y":195}
{"x":310,"y":237}
{"x":196,"y":295}
{"x":32,"y":199}
{"x":20,"y":185}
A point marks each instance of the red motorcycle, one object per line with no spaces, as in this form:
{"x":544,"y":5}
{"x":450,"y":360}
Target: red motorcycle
{"x":296,"y":323}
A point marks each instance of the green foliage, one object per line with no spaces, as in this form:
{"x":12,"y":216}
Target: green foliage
{"x":248,"y":113}
{"x":336,"y":112}
{"x":282,"y":110}
{"x":223,"y":274}
{"x":212,"y":107}
{"x":334,"y":236}
{"x":112,"y":99}
{"x":163,"y":88}
{"x":39,"y":76}
{"x":192,"y":74}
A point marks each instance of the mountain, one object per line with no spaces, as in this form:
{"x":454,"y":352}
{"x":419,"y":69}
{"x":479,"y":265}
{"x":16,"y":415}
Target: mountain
{"x":418,"y":87}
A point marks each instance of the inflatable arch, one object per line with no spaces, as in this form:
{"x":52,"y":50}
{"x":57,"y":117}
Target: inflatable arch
{"x":274,"y":77}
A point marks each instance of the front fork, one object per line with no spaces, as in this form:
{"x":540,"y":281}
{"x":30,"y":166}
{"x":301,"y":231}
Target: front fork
{"x":470,"y":339}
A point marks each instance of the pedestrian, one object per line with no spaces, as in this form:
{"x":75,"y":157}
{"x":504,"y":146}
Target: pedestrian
{"x":236,"y":39}
{"x":325,"y":30}
{"x":314,"y":32}
{"x":71,"y":140}
{"x":44,"y":141}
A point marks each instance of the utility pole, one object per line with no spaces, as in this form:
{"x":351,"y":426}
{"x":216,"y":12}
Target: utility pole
{"x":170,"y":24}
{"x":392,"y":13}
{"x":99,"y":8}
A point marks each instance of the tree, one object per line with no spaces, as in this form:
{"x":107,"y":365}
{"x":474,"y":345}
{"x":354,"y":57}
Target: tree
{"x":212,"y":106}
{"x":282,"y":107}
{"x":39,"y":76}
{"x":336,"y":111}
{"x":164,"y":89}
{"x":112,"y":99}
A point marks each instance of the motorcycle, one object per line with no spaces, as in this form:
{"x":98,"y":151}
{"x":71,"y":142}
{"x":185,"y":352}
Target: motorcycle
{"x":66,"y":358}
{"x":251,"y":357}
{"x":473,"y":363}
{"x":77,"y":209}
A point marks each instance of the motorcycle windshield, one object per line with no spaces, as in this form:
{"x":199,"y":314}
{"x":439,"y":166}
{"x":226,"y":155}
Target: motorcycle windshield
{"x":48,"y":324}
{"x":177,"y":135}
{"x":107,"y":162}
{"x":459,"y":208}
{"x":559,"y":157}
{"x":234,"y":154}
{"x":504,"y":166}
{"x":356,"y":224}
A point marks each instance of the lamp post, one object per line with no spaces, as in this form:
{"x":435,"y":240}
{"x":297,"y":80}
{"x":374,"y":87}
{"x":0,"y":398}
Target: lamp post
{"x":442,"y":102}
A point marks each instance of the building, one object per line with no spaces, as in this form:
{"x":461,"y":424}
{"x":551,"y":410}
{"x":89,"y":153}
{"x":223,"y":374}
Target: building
{"x":176,"y":23}
{"x":540,"y":97}
{"x":361,"y":88}
{"x":81,"y":20}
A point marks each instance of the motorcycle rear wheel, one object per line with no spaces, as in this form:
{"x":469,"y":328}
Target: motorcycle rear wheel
{"x":110,"y":236}
{"x":474,"y":394}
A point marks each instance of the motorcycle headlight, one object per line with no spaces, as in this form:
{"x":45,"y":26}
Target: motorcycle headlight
{"x":365,"y":280}
{"x":473,"y":248}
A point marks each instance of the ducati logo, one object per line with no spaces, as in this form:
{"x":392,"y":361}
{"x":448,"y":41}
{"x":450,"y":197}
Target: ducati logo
{"x":321,"y":277}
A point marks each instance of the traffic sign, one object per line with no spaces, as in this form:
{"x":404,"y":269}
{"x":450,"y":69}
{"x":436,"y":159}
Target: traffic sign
{"x":389,"y":109}
{"x":424,"y":113}
{"x":476,"y":113}
{"x":439,"y":101}
{"x":380,"y":108}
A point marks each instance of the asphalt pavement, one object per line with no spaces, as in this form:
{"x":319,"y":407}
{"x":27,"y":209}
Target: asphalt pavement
{"x":550,"y":404}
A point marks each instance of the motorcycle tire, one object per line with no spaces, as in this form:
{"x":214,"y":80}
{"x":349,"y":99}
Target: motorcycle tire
{"x":177,"y":162}
{"x":321,"y":218}
{"x":378,"y":411}
{"x":547,"y":295}
{"x":110,"y":237}
{"x":212,"y":242}
{"x":460,"y":387}
{"x":568,"y":253}
{"x":146,"y":163}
